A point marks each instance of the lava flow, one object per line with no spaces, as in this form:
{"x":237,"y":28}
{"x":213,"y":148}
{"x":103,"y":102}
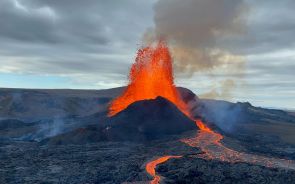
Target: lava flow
{"x":209,"y":142}
{"x":151,"y":167}
{"x":151,"y":76}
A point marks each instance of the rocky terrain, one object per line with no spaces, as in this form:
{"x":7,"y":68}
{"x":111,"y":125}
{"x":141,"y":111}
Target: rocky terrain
{"x":104,"y":162}
{"x":59,"y":136}
{"x":196,"y":170}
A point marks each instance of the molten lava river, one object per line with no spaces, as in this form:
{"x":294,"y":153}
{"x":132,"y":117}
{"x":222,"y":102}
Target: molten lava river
{"x":151,"y":76}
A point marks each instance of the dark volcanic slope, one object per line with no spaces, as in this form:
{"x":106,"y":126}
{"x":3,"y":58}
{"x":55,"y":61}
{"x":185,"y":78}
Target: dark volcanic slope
{"x":141,"y":121}
{"x":149,"y":119}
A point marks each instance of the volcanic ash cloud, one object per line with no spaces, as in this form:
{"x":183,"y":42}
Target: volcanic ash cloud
{"x":193,"y":28}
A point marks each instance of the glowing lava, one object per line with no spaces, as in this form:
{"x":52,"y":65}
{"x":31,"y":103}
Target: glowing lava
{"x":209,"y":142}
{"x":150,"y":76}
{"x":151,"y":167}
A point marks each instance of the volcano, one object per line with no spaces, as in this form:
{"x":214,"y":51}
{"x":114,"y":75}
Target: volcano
{"x":149,"y":119}
{"x":139,"y":133}
{"x":86,"y":154}
{"x":150,"y":76}
{"x":141,"y":121}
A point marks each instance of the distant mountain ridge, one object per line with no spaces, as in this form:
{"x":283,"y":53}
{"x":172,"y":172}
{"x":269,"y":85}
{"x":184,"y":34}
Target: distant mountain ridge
{"x":35,"y":104}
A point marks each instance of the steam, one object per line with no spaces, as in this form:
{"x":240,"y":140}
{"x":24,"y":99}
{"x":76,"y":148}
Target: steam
{"x":54,"y":128}
{"x":48,"y":129}
{"x":223,"y":91}
{"x":223,"y":114}
{"x":193,"y":29}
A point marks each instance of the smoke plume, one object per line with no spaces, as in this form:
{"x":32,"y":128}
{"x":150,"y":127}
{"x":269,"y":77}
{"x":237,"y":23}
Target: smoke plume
{"x":223,"y":91}
{"x":223,"y":114}
{"x":194,"y":30}
{"x":47,"y":128}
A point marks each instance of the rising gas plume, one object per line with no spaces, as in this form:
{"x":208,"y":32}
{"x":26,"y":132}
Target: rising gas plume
{"x":192,"y":28}
{"x":223,"y":91}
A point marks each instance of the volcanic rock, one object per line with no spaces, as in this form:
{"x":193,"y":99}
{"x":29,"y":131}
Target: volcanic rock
{"x":141,"y":121}
{"x":13,"y":128}
{"x":12,"y":124}
{"x":149,"y":119}
{"x":195,"y":170}
{"x":187,"y":95}
{"x":85,"y":135}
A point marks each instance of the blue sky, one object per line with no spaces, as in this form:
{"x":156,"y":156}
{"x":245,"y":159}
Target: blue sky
{"x":237,"y":50}
{"x":32,"y":81}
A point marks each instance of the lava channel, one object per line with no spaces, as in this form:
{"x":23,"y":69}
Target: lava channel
{"x":151,"y":167}
{"x":209,"y":142}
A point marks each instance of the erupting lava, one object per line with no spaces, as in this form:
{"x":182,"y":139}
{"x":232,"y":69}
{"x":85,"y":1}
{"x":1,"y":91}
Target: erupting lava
{"x":151,"y":76}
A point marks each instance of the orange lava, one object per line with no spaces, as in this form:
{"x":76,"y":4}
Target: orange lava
{"x":209,"y":142}
{"x":150,"y":76}
{"x":151,"y":167}
{"x":202,"y":126}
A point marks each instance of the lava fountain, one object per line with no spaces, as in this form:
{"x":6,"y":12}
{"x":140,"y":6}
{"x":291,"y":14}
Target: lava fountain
{"x":151,"y":76}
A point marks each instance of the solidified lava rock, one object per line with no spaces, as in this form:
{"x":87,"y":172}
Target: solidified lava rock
{"x":189,"y":170}
{"x":149,"y":119}
{"x":89,"y":134}
{"x":141,"y":121}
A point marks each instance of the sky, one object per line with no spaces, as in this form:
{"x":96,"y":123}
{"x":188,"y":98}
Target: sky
{"x":236,"y":50}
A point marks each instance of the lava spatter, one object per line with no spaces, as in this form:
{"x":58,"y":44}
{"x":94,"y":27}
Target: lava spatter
{"x":150,"y":76}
